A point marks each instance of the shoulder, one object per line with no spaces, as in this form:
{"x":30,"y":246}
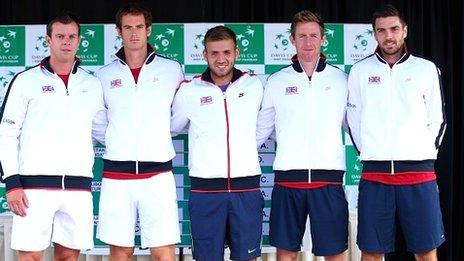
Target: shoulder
{"x":111,"y":67}
{"x":167,"y":61}
{"x":284,"y":73}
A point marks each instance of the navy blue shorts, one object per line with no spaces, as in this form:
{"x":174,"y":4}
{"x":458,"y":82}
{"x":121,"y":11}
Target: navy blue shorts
{"x":328,"y":215}
{"x":415,"y":207}
{"x":233,"y":219}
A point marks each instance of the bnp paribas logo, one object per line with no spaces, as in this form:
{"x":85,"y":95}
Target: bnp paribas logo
{"x":250,"y":40}
{"x":361,"y":40}
{"x":91,"y":47}
{"x":333,"y":46}
{"x":168,"y":40}
{"x":12,"y":45}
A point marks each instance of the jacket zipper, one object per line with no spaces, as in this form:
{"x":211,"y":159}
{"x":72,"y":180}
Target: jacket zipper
{"x":392,"y":164}
{"x":136,"y":136}
{"x":228,"y":145}
{"x":310,"y":85}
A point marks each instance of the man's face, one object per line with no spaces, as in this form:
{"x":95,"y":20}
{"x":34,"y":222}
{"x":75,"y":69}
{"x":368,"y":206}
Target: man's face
{"x":389,"y":34}
{"x":63,"y":41}
{"x":220,"y":56}
{"x":134,"y":32}
{"x":307,"y":41}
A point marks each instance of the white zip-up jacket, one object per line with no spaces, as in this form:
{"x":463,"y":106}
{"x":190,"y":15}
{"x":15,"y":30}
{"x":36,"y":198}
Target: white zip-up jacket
{"x":395,"y":113}
{"x":221,"y":127}
{"x":307,"y":116}
{"x":139,"y":113}
{"x":46,"y":128}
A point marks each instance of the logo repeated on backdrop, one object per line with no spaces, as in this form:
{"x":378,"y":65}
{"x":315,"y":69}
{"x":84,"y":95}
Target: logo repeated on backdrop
{"x":261,"y":45}
{"x":168,"y":40}
{"x":91,"y":47}
{"x":37,"y":47}
{"x":353,"y":166}
{"x":193,"y":47}
{"x":359,"y":42}
{"x":113,"y":42}
{"x":6,"y":75}
{"x":3,"y":203}
{"x":250,"y":41}
{"x":278,"y":50}
{"x":333,"y":46}
{"x":12,"y":44}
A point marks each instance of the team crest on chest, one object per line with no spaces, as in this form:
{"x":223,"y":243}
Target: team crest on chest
{"x":206,"y":100}
{"x":374,"y":80}
{"x":48,"y":89}
{"x":116,"y":83}
{"x":292,"y":90}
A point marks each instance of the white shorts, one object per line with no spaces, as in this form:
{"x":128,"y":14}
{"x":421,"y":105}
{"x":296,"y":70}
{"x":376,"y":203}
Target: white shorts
{"x":152,"y":200}
{"x":61,"y":216}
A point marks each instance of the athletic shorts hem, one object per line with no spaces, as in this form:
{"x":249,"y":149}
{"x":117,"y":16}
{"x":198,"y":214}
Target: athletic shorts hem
{"x":167,"y":243}
{"x":29,"y":249}
{"x":258,"y":254}
{"x":116,"y":243}
{"x":331,"y":252}
{"x":373,"y":250}
{"x":285,"y":247}
{"x":427,"y":249}
{"x":74,"y":247}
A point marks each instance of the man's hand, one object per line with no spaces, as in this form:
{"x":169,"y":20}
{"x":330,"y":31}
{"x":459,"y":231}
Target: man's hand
{"x":17,"y":201}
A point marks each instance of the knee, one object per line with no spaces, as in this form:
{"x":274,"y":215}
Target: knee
{"x":366,"y":256}
{"x":29,"y":256}
{"x":285,"y":255}
{"x":62,"y":253}
{"x":121,"y":253}
{"x":427,"y":256}
{"x":165,"y":253}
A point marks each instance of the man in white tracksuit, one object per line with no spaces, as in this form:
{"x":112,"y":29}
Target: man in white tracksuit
{"x":138,"y":87}
{"x":220,"y":108}
{"x":46,"y":150}
{"x":396,"y":119}
{"x":304,"y":104}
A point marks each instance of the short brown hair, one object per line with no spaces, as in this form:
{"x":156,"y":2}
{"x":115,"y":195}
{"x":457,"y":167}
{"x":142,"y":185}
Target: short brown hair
{"x":64,"y":17}
{"x":306,"y":16}
{"x":133,"y":9}
{"x":387,"y":11}
{"x":219,"y":33}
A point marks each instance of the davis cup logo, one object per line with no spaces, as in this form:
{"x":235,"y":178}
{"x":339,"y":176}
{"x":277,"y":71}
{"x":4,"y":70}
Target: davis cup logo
{"x":117,"y":43}
{"x":41,"y":44}
{"x":243,"y":39}
{"x":5,"y":41}
{"x":12,"y":45}
{"x":198,"y":42}
{"x":329,"y":33}
{"x":85,"y":43}
{"x":162,"y":40}
{"x":362,"y":40}
{"x":281,"y":42}
{"x":5,"y":79}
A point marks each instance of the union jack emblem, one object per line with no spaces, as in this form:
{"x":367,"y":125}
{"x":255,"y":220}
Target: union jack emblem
{"x":48,"y":89}
{"x":374,"y":80}
{"x":116,"y":83}
{"x":291,"y":90}
{"x":206,"y":100}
